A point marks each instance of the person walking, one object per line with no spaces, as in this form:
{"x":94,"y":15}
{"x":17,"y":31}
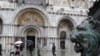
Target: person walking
{"x":0,"y":49}
{"x":18,"y":47}
{"x":53,"y":50}
{"x":30,"y":46}
{"x":17,"y":52}
{"x":12,"y":50}
{"x":38,"y":49}
{"x":21,"y":49}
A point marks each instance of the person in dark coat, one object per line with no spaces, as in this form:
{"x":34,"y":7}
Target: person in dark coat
{"x":53,"y":49}
{"x":30,"y":46}
{"x":0,"y":49}
{"x":12,"y":49}
{"x":17,"y":52}
{"x":21,"y":49}
{"x":38,"y":49}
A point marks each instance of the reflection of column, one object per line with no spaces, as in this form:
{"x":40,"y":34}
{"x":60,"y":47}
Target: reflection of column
{"x":10,"y":0}
{"x":16,"y":1}
{"x":13,"y":1}
{"x":23,"y":1}
{"x":47,"y":1}
{"x":41,"y":2}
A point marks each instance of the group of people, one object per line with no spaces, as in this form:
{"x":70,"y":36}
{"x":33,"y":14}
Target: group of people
{"x":16,"y":49}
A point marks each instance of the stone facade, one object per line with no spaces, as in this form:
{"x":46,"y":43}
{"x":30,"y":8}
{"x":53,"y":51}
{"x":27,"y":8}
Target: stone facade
{"x":48,"y":22}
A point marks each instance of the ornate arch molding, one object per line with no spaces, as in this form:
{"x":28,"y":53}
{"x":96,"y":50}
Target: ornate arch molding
{"x":39,"y":10}
{"x":67,"y":18}
{"x":26,"y":28}
{"x":80,"y":2}
{"x":86,"y":4}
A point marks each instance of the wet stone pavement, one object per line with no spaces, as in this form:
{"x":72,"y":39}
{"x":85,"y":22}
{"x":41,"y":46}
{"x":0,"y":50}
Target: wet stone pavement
{"x":58,"y":53}
{"x":45,"y":53}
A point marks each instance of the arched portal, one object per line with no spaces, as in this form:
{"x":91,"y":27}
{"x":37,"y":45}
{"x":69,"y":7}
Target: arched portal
{"x":62,"y":39}
{"x":31,"y":34}
{"x":30,"y":22}
{"x":64,"y":27}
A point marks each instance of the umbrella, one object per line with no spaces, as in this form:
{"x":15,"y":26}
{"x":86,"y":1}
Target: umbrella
{"x":18,"y":42}
{"x":29,"y":42}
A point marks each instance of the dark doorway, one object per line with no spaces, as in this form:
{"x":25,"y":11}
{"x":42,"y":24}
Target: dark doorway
{"x":62,"y":39}
{"x":62,"y":44}
{"x":32,"y":38}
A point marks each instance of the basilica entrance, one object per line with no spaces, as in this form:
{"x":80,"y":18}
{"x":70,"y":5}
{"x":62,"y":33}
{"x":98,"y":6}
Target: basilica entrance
{"x":31,"y":38}
{"x":31,"y":34}
{"x":30,"y":22}
{"x":30,"y":45}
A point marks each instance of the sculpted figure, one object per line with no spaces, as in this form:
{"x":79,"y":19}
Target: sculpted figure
{"x":86,"y":36}
{"x":86,"y":39}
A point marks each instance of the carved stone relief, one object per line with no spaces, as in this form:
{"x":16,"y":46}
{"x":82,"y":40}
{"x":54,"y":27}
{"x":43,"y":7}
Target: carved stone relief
{"x":30,"y":17}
